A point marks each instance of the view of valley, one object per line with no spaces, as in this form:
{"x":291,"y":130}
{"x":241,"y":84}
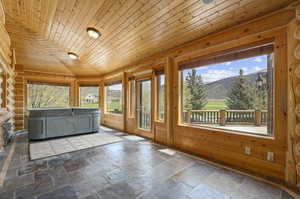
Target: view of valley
{"x":217,"y":91}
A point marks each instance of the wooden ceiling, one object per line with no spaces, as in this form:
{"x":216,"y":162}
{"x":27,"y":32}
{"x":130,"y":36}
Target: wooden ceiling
{"x":43,"y":31}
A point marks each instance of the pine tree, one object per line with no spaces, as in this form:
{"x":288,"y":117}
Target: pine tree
{"x":261,"y":95}
{"x":195,"y":85}
{"x":187,"y":98}
{"x":240,"y":96}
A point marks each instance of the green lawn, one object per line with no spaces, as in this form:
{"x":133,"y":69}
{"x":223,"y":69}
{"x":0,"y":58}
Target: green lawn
{"x":90,"y":105}
{"x":215,"y":105}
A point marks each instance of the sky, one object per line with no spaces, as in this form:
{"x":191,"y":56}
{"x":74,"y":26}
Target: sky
{"x":224,"y":70}
{"x":115,"y":87}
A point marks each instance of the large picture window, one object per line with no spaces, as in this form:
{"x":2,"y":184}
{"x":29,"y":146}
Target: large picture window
{"x":161,"y":97}
{"x":113,"y":96}
{"x":89,"y":96}
{"x":41,"y":95}
{"x":232,"y":92}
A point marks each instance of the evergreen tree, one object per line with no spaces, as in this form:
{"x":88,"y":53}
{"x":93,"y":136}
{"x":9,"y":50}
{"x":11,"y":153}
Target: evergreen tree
{"x":187,"y":97}
{"x":195,"y":86}
{"x":240,"y":96}
{"x":261,"y":94}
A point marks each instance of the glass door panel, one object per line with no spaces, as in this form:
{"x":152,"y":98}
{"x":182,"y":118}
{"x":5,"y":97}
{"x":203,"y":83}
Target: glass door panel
{"x":144,"y":105}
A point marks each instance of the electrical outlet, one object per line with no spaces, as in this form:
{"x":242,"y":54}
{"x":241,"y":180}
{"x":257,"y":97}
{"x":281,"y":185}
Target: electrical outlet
{"x":247,"y":150}
{"x":270,"y":156}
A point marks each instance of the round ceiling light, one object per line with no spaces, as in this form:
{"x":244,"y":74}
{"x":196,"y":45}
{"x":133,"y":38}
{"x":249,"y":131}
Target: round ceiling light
{"x":93,"y":32}
{"x":72,"y":55}
{"x":207,"y":1}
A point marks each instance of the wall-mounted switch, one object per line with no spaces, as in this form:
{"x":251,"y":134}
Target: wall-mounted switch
{"x":247,"y":150}
{"x":270,"y":156}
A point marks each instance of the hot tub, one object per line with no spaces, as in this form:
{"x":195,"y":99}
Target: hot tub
{"x":44,"y":123}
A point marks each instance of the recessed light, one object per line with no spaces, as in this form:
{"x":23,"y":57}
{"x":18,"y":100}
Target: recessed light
{"x":72,"y":55}
{"x":93,"y":32}
{"x":207,"y":1}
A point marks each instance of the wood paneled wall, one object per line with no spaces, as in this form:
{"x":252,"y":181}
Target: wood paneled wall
{"x":5,"y":51}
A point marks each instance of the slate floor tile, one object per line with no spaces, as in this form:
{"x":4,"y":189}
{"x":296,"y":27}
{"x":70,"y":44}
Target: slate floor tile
{"x":66,"y":192}
{"x":7,"y":195}
{"x":84,"y":189}
{"x":33,"y":190}
{"x":194,"y":175}
{"x":204,"y":191}
{"x":120,"y":190}
{"x":18,"y":181}
{"x":11,"y":173}
{"x":260,"y":190}
{"x":60,"y":181}
{"x":225,"y":180}
{"x":42,"y":177}
{"x":168,"y":190}
{"x":75,"y":165}
{"x":285,"y":195}
{"x":92,"y":196}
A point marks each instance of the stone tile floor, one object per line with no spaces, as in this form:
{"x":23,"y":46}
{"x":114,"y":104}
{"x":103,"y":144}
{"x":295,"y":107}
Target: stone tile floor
{"x":126,"y":170}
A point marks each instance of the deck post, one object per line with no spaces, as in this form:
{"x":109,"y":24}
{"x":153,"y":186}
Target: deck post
{"x":189,"y":114}
{"x":257,"y":117}
{"x":222,"y":117}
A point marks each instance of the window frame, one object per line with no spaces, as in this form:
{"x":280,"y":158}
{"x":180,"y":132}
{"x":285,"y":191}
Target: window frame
{"x":89,"y":85}
{"x":158,"y":75}
{"x":138,"y":101}
{"x":50,"y":83}
{"x":280,"y":72}
{"x":269,"y":124}
{"x":107,"y":84}
{"x":131,"y":98}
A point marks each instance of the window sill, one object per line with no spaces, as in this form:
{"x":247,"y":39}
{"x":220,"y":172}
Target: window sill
{"x":232,"y":132}
{"x":114,"y":114}
{"x":147,"y":130}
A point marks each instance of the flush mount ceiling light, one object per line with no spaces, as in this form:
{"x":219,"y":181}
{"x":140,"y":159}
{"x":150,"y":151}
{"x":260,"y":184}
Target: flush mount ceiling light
{"x":93,"y":32}
{"x":72,"y":55}
{"x":207,"y":1}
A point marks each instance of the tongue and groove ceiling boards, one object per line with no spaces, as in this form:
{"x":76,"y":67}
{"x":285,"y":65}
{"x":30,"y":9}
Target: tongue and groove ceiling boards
{"x":43,"y":31}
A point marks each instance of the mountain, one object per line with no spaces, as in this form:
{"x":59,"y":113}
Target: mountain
{"x":219,"y":89}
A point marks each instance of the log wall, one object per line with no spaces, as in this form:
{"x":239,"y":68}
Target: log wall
{"x":293,"y":151}
{"x":7,"y":66}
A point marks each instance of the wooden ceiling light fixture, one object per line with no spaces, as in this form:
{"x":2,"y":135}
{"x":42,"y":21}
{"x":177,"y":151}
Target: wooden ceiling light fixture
{"x":207,"y":1}
{"x":93,"y":32}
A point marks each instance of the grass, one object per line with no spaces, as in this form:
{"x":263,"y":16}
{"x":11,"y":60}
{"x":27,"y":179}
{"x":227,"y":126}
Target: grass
{"x":89,"y":105}
{"x":215,"y":105}
{"x":114,"y":106}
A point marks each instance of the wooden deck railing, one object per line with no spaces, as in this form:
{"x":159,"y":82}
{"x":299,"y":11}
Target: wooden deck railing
{"x":145,"y":120}
{"x":223,"y":117}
